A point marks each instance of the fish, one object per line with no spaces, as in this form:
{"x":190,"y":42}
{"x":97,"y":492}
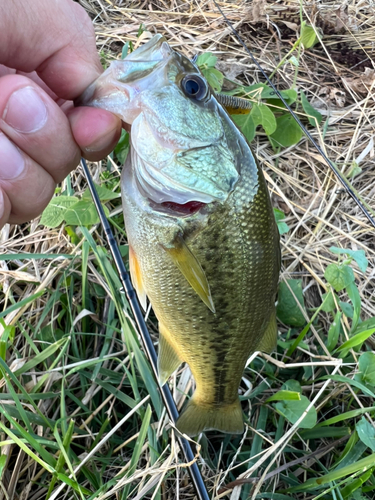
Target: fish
{"x":203,"y":242}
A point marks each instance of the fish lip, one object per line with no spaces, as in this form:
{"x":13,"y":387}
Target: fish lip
{"x":172,"y":209}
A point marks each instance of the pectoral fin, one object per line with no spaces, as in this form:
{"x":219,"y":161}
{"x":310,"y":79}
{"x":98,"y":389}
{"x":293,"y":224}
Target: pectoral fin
{"x":135,"y":273}
{"x":192,"y":270}
{"x":168,"y":359}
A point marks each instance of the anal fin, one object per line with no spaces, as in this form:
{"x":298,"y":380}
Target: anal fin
{"x":269,"y":338}
{"x":168,"y":359}
{"x":136,"y":276}
{"x":188,"y":264}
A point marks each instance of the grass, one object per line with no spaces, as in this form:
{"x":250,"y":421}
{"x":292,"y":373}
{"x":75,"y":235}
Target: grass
{"x":80,"y":413}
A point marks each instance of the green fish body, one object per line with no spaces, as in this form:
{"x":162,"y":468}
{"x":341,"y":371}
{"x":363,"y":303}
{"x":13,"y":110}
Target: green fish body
{"x":204,"y":245}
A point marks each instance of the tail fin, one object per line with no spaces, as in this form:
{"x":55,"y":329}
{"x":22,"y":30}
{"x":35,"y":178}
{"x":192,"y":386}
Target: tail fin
{"x":197,"y":418}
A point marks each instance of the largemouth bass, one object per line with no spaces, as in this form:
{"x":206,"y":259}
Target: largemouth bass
{"x":204,"y":245}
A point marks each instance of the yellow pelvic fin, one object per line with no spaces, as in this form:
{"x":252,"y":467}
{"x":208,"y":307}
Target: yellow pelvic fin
{"x":197,"y":418}
{"x":192,"y":270}
{"x":168,"y":359}
{"x":135,"y":273}
{"x":269,"y":338}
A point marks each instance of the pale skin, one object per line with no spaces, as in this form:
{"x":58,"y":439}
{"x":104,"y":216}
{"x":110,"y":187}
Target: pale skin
{"x":48,"y":56}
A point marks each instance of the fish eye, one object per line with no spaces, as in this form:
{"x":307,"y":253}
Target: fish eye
{"x":194,"y":86}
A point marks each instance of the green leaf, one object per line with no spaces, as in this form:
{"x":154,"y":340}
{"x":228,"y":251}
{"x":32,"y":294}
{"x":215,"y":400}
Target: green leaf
{"x":313,"y":115}
{"x":292,"y":411}
{"x":285,"y":396}
{"x":366,"y":367}
{"x":214,"y":78}
{"x":339,"y":276}
{"x":206,"y":60}
{"x":263,"y":91}
{"x":357,"y":339}
{"x":354,"y":296}
{"x":291,"y":385}
{"x":308,"y":35}
{"x":328,"y":301}
{"x":262,"y":115}
{"x":354,"y":383}
{"x":334,"y":332}
{"x":288,"y":310}
{"x":122,"y":148}
{"x":280,"y":216}
{"x":358,"y":255}
{"x":246,"y":125}
{"x":366,"y":433}
{"x":287,"y":133}
{"x":55,"y":211}
{"x":347,"y":309}
{"x":83,"y":213}
{"x":103,"y":193}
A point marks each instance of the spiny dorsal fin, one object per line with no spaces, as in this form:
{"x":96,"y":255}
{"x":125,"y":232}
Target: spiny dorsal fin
{"x":188,"y":264}
{"x":168,"y":358}
{"x":135,"y":273}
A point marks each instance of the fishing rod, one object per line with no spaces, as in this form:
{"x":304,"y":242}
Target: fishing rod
{"x":128,"y":290}
{"x":337,"y":174}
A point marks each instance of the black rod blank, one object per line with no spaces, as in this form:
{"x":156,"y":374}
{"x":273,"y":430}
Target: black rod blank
{"x":148,"y":346}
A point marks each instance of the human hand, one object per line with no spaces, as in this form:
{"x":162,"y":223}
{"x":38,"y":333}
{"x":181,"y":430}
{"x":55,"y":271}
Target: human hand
{"x":49,"y":57}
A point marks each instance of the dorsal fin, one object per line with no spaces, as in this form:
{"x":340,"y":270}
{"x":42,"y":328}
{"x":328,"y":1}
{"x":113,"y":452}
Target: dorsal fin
{"x":136,"y":275}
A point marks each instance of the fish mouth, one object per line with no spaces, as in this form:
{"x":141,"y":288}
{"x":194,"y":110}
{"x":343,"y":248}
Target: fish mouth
{"x":182,"y":210}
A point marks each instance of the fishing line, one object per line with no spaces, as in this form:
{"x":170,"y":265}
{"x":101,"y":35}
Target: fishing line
{"x":304,"y":130}
{"x":128,"y":290}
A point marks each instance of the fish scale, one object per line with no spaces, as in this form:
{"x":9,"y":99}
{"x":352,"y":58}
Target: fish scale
{"x":204,"y":245}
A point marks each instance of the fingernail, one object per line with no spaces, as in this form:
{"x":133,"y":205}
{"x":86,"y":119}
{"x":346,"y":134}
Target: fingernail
{"x":25,"y":111}
{"x":11,"y":160}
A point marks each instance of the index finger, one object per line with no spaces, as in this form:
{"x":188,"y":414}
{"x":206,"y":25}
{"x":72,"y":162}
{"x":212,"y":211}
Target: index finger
{"x":66,"y":57}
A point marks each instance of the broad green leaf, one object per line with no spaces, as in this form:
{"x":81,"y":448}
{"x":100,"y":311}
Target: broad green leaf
{"x":246,"y":125}
{"x":328,"y":302}
{"x":122,"y":148}
{"x":206,"y":60}
{"x":358,"y":255}
{"x":352,"y":491}
{"x":293,"y":60}
{"x":288,"y":310}
{"x":354,"y":296}
{"x":280,"y":216}
{"x":347,"y":309}
{"x":357,"y":339}
{"x":263,"y":91}
{"x":308,"y":35}
{"x":334,"y":332}
{"x":292,"y":411}
{"x":214,"y":78}
{"x":285,"y":396}
{"x":55,"y":211}
{"x":291,"y":385}
{"x":287,"y":133}
{"x":339,"y":276}
{"x":262,"y":115}
{"x":83,"y":213}
{"x":103,"y":193}
{"x":313,"y":115}
{"x":366,"y":433}
{"x":366,"y":367}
